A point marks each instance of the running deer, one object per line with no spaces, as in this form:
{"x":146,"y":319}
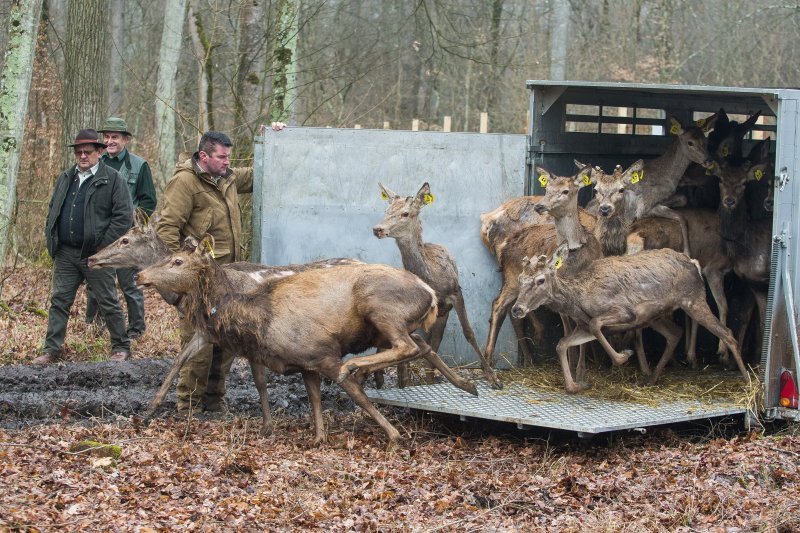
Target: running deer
{"x":141,"y":247}
{"x":533,"y":240}
{"x":433,"y":263}
{"x":621,"y":293}
{"x":307,"y":322}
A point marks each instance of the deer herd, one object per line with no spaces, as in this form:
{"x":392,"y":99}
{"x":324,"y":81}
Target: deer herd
{"x":634,"y":255}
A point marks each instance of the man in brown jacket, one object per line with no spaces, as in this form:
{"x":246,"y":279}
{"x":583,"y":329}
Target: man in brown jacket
{"x":203,"y":197}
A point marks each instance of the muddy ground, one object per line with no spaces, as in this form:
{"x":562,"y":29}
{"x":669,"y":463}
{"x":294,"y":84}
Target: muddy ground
{"x":31,"y":394}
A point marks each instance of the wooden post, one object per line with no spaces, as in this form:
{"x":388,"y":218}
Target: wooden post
{"x":484,"y":122}
{"x":415,"y":125}
{"x":386,"y":124}
{"x":446,"y":126}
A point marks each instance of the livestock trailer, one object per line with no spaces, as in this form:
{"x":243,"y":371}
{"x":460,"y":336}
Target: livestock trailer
{"x":317,"y":196}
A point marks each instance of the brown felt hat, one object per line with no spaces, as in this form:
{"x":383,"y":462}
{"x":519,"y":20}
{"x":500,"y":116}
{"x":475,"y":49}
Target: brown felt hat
{"x":87,"y":137}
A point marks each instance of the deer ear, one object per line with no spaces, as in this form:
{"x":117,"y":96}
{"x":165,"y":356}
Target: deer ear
{"x":757,"y":172}
{"x":750,"y":123}
{"x":140,"y":218}
{"x":579,"y":164}
{"x":584,"y":177}
{"x":674,"y":126}
{"x":424,"y":195}
{"x":190,"y":244}
{"x":386,"y":193}
{"x":708,"y":123}
{"x":725,"y":148}
{"x":206,"y":247}
{"x":544,"y":176}
{"x":634,"y":173}
{"x":541,"y":261}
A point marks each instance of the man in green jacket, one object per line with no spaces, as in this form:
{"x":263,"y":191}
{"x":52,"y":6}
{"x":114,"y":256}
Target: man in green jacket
{"x":90,"y":208}
{"x":203,"y":197}
{"x":136,"y":173}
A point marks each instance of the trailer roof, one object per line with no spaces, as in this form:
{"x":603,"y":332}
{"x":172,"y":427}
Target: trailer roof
{"x":666,"y":88}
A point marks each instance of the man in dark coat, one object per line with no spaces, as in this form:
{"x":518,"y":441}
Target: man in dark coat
{"x":136,"y":173}
{"x":90,"y":208}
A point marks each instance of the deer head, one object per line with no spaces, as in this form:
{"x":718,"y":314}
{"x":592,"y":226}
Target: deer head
{"x":401,"y":218}
{"x":130,"y":250}
{"x":536,"y":280}
{"x":733,"y":179}
{"x":691,"y":140}
{"x":181,"y":272}
{"x":561,"y":193}
{"x":609,"y":189}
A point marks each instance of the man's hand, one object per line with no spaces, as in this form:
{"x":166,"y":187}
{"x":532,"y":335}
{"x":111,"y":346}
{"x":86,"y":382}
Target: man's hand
{"x":276,"y":126}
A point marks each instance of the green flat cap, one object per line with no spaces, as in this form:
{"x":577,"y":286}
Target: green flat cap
{"x":115,"y":124}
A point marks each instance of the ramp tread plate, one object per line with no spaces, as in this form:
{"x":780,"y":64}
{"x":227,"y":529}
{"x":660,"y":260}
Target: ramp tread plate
{"x":557,"y":410}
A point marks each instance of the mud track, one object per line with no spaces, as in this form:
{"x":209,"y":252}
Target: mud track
{"x":81,"y":391}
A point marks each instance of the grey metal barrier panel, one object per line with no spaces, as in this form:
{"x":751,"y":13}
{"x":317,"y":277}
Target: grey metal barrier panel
{"x":317,"y":195}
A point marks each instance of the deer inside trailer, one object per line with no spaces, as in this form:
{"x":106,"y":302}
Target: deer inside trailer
{"x":318,"y":197}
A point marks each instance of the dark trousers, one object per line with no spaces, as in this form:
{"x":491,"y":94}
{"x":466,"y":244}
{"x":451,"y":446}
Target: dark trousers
{"x":134,"y":300}
{"x":69,"y":271}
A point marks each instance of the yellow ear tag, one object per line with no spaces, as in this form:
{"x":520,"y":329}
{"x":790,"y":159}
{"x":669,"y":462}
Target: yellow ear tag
{"x":725,"y":151}
{"x":637,"y":176}
{"x":708,"y":172}
{"x":587,"y":180}
{"x":210,"y":250}
{"x":758,"y":174}
{"x":700,"y":122}
{"x":674,"y":129}
{"x":559,"y":262}
{"x":384,"y":196}
{"x":427,"y":198}
{"x":543,"y":180}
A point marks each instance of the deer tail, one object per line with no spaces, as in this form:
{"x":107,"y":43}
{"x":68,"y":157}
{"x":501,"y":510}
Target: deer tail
{"x":696,"y":264}
{"x":433,"y":311}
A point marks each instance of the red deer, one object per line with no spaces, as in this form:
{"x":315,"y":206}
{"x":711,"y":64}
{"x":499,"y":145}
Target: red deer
{"x":621,"y":293}
{"x":433,"y":264}
{"x":308,"y":322}
{"x":529,"y":241}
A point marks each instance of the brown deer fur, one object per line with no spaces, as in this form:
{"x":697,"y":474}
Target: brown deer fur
{"x":433,"y":263}
{"x":621,"y":293}
{"x":308,"y":322}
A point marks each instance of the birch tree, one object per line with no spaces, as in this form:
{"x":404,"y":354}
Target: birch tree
{"x":15,"y":83}
{"x":171,"y":37}
{"x":284,"y":82}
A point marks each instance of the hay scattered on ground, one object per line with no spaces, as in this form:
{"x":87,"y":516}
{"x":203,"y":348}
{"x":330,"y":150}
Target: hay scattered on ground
{"x":627,"y":384}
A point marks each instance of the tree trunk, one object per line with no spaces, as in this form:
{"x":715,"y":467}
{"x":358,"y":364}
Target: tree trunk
{"x":202,"y":50}
{"x":171,"y":36}
{"x":245,"y":97}
{"x":86,"y":70}
{"x":15,"y":83}
{"x":117,"y":46}
{"x":559,"y":27}
{"x":284,"y":84}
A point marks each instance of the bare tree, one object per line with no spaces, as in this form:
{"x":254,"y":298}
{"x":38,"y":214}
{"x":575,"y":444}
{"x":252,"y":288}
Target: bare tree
{"x":174,"y":16}
{"x":86,"y":64}
{"x":15,"y":83}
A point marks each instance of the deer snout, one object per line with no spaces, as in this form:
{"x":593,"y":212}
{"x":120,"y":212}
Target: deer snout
{"x":605,"y":210}
{"x":769,"y":205}
{"x":729,"y":202}
{"x":91,"y":262}
{"x":708,"y":164}
{"x":379,"y":232}
{"x":518,"y":311}
{"x":540,"y":208}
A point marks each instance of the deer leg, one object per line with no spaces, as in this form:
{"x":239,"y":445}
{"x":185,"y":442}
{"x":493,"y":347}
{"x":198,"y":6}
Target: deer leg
{"x":672,"y":333}
{"x":644,"y":367}
{"x":716,"y":283}
{"x":403,"y":349}
{"x":259,"y":372}
{"x":354,"y":390}
{"x":595,"y":326}
{"x":663,"y":211}
{"x":435,"y":339}
{"x":195,"y":345}
{"x":500,"y":307}
{"x":699,"y":311}
{"x":578,"y":336}
{"x":574,"y":356}
{"x":312,"y":382}
{"x":440,"y":365}
{"x":761,"y":302}
{"x":466,"y":329}
{"x":523,"y":342}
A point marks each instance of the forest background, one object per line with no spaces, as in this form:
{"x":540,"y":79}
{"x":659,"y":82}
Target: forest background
{"x":176,"y":68}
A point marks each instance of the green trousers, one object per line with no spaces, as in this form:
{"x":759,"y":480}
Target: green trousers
{"x":201,"y":381}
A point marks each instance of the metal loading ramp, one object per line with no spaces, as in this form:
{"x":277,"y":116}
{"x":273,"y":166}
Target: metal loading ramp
{"x":526,"y":406}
